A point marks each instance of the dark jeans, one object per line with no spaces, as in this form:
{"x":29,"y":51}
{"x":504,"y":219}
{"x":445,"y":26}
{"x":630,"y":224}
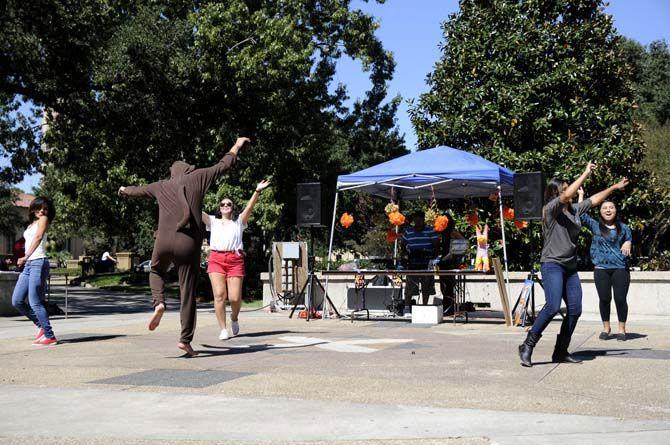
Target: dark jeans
{"x":31,"y":286}
{"x":559,"y":284}
{"x":606,"y":281}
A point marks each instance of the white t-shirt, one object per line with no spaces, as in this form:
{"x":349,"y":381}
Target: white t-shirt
{"x":226,"y":235}
{"x":29,"y":236}
{"x":106,"y":257}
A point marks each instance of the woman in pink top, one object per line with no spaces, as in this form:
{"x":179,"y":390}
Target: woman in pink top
{"x":226,"y":259}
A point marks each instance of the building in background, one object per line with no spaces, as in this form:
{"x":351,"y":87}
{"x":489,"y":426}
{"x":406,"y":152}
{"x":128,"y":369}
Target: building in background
{"x":73,"y":245}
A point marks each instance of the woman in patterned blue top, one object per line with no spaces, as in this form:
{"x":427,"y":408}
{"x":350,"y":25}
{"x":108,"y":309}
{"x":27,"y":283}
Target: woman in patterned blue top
{"x":610,"y":250}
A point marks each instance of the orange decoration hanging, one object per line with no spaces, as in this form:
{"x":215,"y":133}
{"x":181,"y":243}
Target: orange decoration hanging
{"x":521,"y":224}
{"x":472,"y":218}
{"x":441,"y":223}
{"x":346,"y":220}
{"x":392,"y":236}
{"x":508,"y":213}
{"x":396,"y":218}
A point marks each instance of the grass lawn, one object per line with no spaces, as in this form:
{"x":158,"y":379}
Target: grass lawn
{"x":62,"y":271}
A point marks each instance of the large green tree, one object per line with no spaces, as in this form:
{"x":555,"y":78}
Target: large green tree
{"x":650,"y":67}
{"x":542,"y":85}
{"x":131,"y":86}
{"x":19,"y":155}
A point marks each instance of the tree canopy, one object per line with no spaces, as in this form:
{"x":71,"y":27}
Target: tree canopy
{"x":542,"y":86}
{"x":130,"y":86}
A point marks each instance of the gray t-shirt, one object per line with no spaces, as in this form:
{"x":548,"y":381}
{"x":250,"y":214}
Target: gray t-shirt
{"x":560,"y":227}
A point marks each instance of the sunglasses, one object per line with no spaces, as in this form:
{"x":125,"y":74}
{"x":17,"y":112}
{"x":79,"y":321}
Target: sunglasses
{"x":226,"y":204}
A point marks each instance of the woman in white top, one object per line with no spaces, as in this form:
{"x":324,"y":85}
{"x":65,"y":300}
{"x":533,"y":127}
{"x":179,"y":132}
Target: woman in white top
{"x":32,"y":281}
{"x":226,"y":259}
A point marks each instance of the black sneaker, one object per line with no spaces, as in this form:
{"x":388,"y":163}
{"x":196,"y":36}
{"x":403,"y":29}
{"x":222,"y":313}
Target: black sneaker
{"x":604,"y":336}
{"x":621,"y":336}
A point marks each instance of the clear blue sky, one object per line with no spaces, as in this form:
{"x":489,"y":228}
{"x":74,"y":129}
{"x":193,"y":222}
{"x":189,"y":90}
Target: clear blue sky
{"x":411,"y":30}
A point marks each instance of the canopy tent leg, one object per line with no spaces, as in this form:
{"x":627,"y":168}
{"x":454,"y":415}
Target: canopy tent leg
{"x":502,"y":226}
{"x":395,"y":199}
{"x":330,"y":252}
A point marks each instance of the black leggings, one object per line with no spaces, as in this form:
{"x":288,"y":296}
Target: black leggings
{"x":606,"y":280}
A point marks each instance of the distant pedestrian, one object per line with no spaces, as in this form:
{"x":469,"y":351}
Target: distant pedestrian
{"x":31,"y":284}
{"x":107,"y":262}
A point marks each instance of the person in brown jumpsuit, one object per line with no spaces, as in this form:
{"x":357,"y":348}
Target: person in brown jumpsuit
{"x":179,"y":234}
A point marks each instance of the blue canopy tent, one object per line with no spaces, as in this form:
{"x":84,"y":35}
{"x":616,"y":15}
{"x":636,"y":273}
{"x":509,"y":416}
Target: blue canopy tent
{"x":443,"y":172}
{"x":449,"y":172}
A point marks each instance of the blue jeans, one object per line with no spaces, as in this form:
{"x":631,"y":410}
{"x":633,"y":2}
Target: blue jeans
{"x":559,"y":284}
{"x":32,"y":284}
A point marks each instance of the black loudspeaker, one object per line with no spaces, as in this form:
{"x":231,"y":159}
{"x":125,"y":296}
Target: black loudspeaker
{"x":309,"y":204}
{"x":528,"y":188}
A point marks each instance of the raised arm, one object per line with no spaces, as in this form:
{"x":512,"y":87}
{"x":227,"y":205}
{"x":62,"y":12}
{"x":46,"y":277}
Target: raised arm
{"x":567,"y":194}
{"x":205,"y":219}
{"x":246,"y":213}
{"x":206,"y":176}
{"x":599,"y":197}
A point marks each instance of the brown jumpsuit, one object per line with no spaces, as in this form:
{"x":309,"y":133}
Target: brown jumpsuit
{"x":179,"y":234}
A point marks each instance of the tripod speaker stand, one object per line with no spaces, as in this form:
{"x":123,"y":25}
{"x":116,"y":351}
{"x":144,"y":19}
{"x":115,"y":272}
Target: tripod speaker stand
{"x":528,"y":207}
{"x":524,"y":308}
{"x":307,"y":293}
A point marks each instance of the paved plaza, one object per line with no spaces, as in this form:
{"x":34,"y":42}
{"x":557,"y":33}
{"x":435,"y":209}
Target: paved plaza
{"x":282,"y":380}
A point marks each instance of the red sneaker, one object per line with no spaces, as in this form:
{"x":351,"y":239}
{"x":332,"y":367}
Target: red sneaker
{"x":44,"y":341}
{"x":40,"y":334}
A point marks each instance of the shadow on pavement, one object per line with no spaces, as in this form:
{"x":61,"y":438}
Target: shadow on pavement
{"x":644,"y":353}
{"x":88,"y":338}
{"x":214,"y":351}
{"x":271,"y":333}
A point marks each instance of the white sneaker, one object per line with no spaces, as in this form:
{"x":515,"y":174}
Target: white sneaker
{"x":235,"y":326}
{"x":224,"y":334}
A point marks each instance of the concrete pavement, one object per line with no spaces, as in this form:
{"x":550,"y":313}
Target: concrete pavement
{"x":325,"y":381}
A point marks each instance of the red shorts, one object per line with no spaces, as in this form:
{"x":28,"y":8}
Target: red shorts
{"x":230,"y":263}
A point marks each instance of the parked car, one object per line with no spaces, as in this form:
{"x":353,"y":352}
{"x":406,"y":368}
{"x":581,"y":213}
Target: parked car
{"x":145,"y":266}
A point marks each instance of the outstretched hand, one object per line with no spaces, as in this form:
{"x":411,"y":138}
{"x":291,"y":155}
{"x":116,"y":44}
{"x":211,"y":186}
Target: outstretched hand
{"x":122,"y":189}
{"x":262,"y":185}
{"x":621,"y":184}
{"x":241,"y":142}
{"x":590,"y":167}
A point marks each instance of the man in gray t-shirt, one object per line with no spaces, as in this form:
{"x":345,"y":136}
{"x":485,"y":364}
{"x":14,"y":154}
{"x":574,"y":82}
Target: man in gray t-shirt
{"x":560,"y":227}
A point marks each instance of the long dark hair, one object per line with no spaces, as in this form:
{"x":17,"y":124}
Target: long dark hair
{"x":603,"y":227}
{"x":44,"y":204}
{"x":553,"y":189}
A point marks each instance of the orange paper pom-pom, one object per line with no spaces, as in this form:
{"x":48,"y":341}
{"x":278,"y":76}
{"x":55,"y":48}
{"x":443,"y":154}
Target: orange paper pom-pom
{"x":346,"y":220}
{"x":472,"y":218}
{"x":521,"y":224}
{"x":396,"y":218}
{"x":391,"y":236}
{"x":508,"y":213}
{"x":441,"y":223}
